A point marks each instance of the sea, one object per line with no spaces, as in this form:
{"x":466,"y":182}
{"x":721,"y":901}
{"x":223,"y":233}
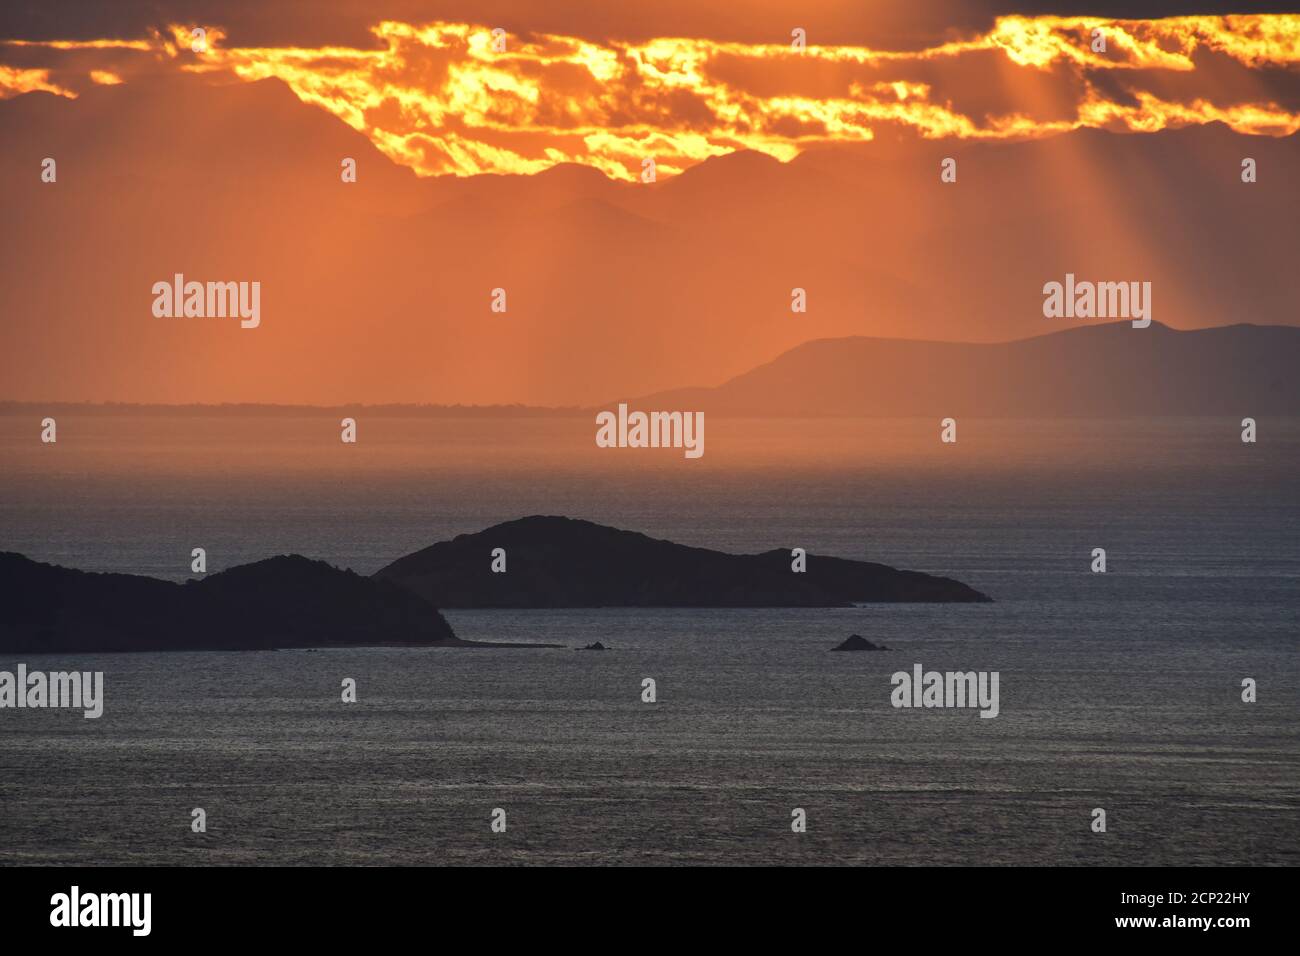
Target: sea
{"x":1119,"y":691}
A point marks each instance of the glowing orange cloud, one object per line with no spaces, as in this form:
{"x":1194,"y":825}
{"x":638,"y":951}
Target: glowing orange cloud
{"x":15,"y":81}
{"x":141,"y":45}
{"x":438,"y":97}
{"x":1167,"y":44}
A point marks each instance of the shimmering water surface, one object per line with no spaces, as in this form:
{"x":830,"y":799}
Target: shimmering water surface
{"x":1119,"y":691}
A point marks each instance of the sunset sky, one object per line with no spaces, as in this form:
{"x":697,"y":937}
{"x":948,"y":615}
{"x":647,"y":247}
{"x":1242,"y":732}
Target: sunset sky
{"x":434,"y":95}
{"x":606,"y":85}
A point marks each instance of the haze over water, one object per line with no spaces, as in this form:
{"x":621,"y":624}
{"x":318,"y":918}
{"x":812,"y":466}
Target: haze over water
{"x":1119,"y":690}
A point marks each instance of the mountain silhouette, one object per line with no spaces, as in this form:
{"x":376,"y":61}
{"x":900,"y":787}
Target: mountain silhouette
{"x":281,"y":602}
{"x":555,"y":562}
{"x":1111,"y":370}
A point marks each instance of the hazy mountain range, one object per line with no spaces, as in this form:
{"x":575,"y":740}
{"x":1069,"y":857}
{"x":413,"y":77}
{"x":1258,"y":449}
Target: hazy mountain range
{"x":1103,"y":371}
{"x":379,"y":291}
{"x":1111,"y":370}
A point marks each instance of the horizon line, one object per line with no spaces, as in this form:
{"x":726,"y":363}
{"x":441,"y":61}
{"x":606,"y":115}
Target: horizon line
{"x":504,"y":408}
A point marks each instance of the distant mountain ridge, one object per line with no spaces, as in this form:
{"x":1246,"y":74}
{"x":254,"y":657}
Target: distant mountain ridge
{"x":556,"y":562}
{"x":1111,"y":370}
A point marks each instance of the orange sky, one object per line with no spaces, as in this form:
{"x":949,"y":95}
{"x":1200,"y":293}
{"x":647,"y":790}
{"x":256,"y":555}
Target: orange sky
{"x":777,"y":170}
{"x":436,"y":96}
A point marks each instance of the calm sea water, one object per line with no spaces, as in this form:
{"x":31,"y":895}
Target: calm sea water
{"x":1119,"y":691}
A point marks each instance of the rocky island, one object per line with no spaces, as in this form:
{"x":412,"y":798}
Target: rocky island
{"x":856,"y":642}
{"x":282,"y":602}
{"x":554,"y":562}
